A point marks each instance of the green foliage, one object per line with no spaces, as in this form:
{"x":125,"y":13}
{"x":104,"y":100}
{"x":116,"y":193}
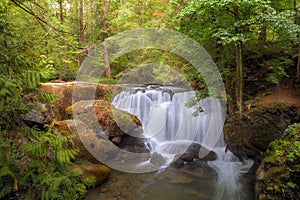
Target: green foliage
{"x":286,"y":152}
{"x":266,"y":31}
{"x":107,"y":80}
{"x":277,"y":68}
{"x":39,"y":168}
{"x":68,"y":74}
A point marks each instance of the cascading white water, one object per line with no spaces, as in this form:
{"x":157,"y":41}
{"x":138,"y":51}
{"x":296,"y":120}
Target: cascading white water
{"x":171,"y":127}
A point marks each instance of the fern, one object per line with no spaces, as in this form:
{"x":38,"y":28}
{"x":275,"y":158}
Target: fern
{"x":6,"y":88}
{"x":38,"y":169}
{"x":45,"y":97}
{"x":65,"y":155}
{"x":6,"y":171}
{"x":32,"y":80}
{"x":6,"y":184}
{"x":89,"y":181}
{"x":6,"y":188}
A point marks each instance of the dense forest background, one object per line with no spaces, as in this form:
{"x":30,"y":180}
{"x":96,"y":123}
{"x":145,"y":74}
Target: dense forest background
{"x":255,"y":44}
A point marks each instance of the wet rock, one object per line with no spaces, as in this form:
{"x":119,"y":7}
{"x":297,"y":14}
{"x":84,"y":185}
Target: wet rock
{"x":100,"y":115}
{"x":84,"y":138}
{"x":134,"y":144}
{"x":175,"y":178}
{"x":259,"y":127}
{"x":97,"y":171}
{"x":192,"y":154}
{"x":194,"y":150}
{"x":157,"y":160}
{"x":191,"y":191}
{"x":177,"y":163}
{"x":39,"y":115}
{"x":104,"y":190}
{"x":186,"y":157}
{"x":267,"y":170}
{"x":210,"y":156}
{"x":198,"y":170}
{"x":116,"y":139}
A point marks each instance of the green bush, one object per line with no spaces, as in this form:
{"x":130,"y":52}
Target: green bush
{"x":38,"y":169}
{"x":286,"y":152}
{"x":33,"y":163}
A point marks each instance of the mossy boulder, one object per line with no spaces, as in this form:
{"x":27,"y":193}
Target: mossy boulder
{"x":84,"y":91}
{"x":101,"y":115}
{"x":40,"y":114}
{"x":252,"y":134}
{"x":70,"y":127}
{"x":277,"y":176}
{"x":96,"y":173}
{"x":93,"y":146}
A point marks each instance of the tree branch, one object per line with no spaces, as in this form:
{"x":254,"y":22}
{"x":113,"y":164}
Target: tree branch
{"x":44,"y":21}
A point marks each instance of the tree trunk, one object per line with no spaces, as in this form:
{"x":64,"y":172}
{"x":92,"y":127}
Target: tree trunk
{"x":298,"y":64}
{"x":263,"y":35}
{"x":105,"y":36}
{"x":239,"y":69}
{"x":81,"y":31}
{"x":61,"y":17}
{"x":297,"y":21}
{"x":239,"y":78}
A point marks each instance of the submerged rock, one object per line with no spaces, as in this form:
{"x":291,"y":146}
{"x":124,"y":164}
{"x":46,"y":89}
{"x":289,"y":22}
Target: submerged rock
{"x":175,"y":178}
{"x":194,"y":149}
{"x":192,"y":154}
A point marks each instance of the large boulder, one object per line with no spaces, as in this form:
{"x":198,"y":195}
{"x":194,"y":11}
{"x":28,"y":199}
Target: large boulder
{"x":93,"y":146}
{"x":252,"y":134}
{"x":100,"y":115}
{"x":84,"y":91}
{"x":39,"y":115}
{"x":278,"y":175}
{"x":97,"y":172}
{"x":69,"y":127}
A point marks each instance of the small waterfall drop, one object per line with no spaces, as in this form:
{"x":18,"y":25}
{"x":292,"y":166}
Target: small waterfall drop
{"x":171,"y":127}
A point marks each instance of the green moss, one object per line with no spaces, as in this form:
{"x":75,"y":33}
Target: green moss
{"x":284,"y":155}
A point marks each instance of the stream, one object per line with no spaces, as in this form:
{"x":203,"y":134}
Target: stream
{"x":170,"y":128}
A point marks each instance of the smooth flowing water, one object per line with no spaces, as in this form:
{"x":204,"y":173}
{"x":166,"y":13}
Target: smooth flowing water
{"x":170,"y":127}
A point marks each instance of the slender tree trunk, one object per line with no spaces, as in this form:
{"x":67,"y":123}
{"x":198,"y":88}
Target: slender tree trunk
{"x":81,"y":31}
{"x":105,"y":36}
{"x":263,"y":35}
{"x":297,"y":21}
{"x":239,"y":69}
{"x":298,"y":64}
{"x":61,"y":18}
{"x":239,"y":78}
{"x":61,"y":15}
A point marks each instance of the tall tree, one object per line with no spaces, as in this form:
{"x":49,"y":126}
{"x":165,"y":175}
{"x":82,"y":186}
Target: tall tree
{"x":105,"y":36}
{"x":231,"y":23}
{"x":297,"y":22}
{"x":81,"y":29}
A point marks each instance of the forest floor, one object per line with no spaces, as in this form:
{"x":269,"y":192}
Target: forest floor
{"x":286,"y":92}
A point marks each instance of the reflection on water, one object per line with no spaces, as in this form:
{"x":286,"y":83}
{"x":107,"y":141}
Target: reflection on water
{"x":194,"y":181}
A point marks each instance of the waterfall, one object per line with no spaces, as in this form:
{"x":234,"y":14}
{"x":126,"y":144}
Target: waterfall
{"x":171,"y":127}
